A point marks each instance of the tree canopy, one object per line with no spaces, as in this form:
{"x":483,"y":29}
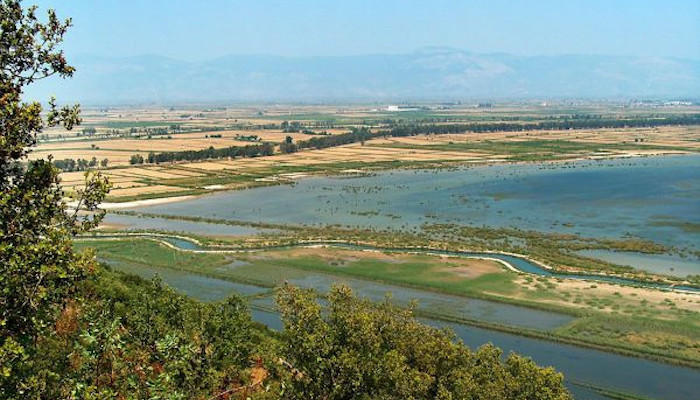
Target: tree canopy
{"x":38,"y":267}
{"x":359,"y":350}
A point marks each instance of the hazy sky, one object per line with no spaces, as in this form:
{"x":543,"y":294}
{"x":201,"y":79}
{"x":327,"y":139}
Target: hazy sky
{"x":199,"y":29}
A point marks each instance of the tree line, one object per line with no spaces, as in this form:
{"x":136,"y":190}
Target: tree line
{"x":325,"y":141}
{"x":80,"y":164}
{"x":564,"y":124}
{"x":249,"y":151}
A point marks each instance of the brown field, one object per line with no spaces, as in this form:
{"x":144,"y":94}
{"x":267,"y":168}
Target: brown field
{"x":119,"y":150}
{"x":624,"y":294}
{"x":154,"y":173}
{"x":684,"y":136}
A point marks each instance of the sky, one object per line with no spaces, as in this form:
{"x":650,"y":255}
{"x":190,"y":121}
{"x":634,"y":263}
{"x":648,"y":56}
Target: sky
{"x":196,"y":30}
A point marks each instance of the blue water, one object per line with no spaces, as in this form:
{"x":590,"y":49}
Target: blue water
{"x":132,"y":222}
{"x":182,"y":243}
{"x":197,"y":286}
{"x":664,"y":264}
{"x":643,"y":197}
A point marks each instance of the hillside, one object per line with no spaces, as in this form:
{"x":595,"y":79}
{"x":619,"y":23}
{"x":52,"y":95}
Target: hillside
{"x":429,"y":74}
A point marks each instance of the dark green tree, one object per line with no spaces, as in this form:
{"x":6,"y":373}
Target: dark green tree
{"x":358,"y":350}
{"x":288,"y":146}
{"x":38,"y":267}
{"x":136,"y":159}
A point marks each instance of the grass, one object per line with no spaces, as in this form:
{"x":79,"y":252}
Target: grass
{"x":685,"y":226}
{"x":677,"y":338}
{"x":420,"y":271}
{"x":149,"y":252}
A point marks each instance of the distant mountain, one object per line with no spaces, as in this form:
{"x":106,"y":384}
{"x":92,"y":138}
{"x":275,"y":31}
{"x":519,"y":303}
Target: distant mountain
{"x":430,"y":74}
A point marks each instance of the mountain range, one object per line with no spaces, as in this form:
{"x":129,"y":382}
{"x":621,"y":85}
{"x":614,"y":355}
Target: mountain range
{"x":428,"y":74}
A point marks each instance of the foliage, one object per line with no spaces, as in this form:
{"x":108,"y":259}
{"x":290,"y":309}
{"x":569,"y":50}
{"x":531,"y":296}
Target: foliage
{"x":288,"y":146}
{"x":562,"y":124}
{"x":81,"y":164}
{"x":38,"y":267}
{"x":354,"y":136}
{"x":133,"y":339}
{"x":362,"y":351}
{"x":256,"y":150}
{"x":136,"y":159}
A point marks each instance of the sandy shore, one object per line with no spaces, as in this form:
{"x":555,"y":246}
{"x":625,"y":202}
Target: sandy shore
{"x":142,"y":203}
{"x":138,"y":203}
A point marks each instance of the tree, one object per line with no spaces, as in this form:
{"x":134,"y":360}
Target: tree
{"x":358,"y":350}
{"x":65,"y":165}
{"x":83,"y":164}
{"x":288,"y":146}
{"x":90,"y":131}
{"x":38,"y":267}
{"x":142,"y":340}
{"x":136,"y":159}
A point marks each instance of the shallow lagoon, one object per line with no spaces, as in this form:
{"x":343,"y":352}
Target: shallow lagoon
{"x":136,"y":223}
{"x":656,"y":263}
{"x":197,"y":286}
{"x":655,"y":198}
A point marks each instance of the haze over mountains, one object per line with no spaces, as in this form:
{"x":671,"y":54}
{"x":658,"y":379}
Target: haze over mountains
{"x":428,"y":74}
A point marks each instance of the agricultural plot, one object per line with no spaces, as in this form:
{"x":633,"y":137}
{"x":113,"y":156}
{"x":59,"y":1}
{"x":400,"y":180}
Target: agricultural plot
{"x":523,"y":146}
{"x":119,"y":151}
